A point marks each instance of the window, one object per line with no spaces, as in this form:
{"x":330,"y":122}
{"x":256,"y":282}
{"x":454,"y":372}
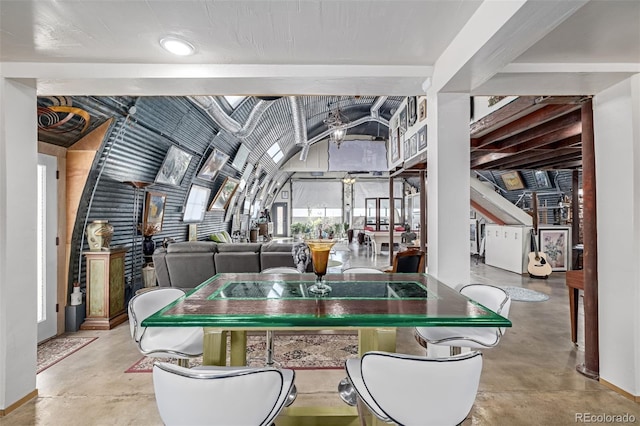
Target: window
{"x":234,"y":101}
{"x":196,"y":204}
{"x":275,"y":153}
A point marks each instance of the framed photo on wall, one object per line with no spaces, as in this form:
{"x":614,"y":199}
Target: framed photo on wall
{"x":217,"y":159}
{"x":512,"y":181}
{"x":153,"y":212}
{"x":556,"y":244}
{"x":422,"y":138}
{"x":394,"y":142}
{"x":542,"y":179}
{"x":174,"y":166}
{"x":223,"y":197}
{"x":422,"y":109}
{"x":413,"y":144}
{"x":402,"y":120}
{"x":412,"y":107}
{"x":407,"y":149}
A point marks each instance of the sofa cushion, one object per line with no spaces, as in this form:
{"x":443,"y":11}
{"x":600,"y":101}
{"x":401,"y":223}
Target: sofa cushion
{"x":190,"y":269}
{"x":216,"y":237}
{"x":226,"y":236}
{"x":277,"y":247}
{"x":193,"y":247}
{"x":237,"y":261}
{"x":239,"y":247}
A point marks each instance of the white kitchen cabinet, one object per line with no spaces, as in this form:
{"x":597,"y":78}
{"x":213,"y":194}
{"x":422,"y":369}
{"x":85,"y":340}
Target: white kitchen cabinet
{"x":507,"y":247}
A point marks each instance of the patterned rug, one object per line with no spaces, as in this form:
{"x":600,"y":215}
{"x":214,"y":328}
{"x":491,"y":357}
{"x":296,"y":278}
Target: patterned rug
{"x":55,"y":350}
{"x":300,"y":352}
{"x":520,"y":294}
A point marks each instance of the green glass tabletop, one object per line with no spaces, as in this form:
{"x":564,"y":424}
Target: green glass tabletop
{"x":286,"y":289}
{"x":283,"y":300}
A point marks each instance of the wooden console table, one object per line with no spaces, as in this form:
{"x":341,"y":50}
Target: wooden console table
{"x":575,"y":283}
{"x":105,"y":289}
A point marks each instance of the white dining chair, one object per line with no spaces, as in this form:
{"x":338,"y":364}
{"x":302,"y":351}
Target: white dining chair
{"x":415,"y":390}
{"x":225,"y":396}
{"x":280,"y":270}
{"x":362,"y":271}
{"x":181,"y":343}
{"x":491,"y":297}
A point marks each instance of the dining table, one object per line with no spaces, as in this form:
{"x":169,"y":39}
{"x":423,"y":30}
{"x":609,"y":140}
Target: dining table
{"x":374,"y":305}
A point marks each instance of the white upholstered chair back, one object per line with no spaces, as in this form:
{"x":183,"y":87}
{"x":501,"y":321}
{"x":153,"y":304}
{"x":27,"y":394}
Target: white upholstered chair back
{"x":491,"y":297}
{"x":414,"y":390}
{"x":164,"y":342}
{"x":362,"y":271}
{"x":226,"y":396}
{"x":280,"y":270}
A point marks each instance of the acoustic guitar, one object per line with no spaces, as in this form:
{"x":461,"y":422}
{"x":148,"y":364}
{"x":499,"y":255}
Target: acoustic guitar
{"x":538,"y":266}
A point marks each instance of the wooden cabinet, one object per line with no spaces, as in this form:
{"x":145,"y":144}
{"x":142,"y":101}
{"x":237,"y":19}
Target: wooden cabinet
{"x":105,"y":289}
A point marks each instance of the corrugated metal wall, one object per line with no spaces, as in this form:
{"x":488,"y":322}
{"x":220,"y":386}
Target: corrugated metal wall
{"x":134,"y":150}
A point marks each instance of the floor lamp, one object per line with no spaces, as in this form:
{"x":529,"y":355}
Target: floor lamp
{"x":137,"y":186}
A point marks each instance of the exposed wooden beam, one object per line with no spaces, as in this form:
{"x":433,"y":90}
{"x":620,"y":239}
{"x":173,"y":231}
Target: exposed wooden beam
{"x":511,"y":111}
{"x":486,"y":213}
{"x":531,"y":121}
{"x":555,"y":125}
{"x":529,"y":153}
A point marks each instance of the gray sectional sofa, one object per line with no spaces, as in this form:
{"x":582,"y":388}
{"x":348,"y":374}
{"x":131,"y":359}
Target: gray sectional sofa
{"x":188,"y":264}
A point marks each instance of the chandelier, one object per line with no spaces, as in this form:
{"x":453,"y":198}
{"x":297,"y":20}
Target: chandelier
{"x":348,"y":179}
{"x":337,"y":123}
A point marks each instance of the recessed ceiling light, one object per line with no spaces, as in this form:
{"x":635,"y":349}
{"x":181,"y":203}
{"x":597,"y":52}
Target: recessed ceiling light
{"x":177,"y":46}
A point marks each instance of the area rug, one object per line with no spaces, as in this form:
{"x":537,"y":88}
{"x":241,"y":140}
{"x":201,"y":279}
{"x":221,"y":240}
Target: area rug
{"x":520,"y":294}
{"x":300,"y":352}
{"x":55,"y":350}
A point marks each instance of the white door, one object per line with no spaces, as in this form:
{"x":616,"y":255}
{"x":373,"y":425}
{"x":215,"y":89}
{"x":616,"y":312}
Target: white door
{"x":47,"y":253}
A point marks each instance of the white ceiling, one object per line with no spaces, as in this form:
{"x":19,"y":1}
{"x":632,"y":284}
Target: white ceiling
{"x":321,"y":47}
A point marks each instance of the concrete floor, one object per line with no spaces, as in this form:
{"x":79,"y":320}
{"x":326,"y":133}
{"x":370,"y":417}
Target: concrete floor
{"x":529,"y":379}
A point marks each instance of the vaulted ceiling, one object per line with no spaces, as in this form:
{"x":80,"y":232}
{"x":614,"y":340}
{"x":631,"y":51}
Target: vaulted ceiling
{"x":544,"y":51}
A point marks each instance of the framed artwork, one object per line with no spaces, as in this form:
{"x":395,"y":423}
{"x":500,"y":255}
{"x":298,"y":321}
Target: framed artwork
{"x":402,"y":121}
{"x":413,"y":144}
{"x":394,"y":141}
{"x":174,"y":166}
{"x":193,"y":232}
{"x":473,"y":236}
{"x":196,"y":204}
{"x":217,"y":159}
{"x":412,"y":113}
{"x":512,"y":181}
{"x":556,"y":244}
{"x":223,"y":197}
{"x":422,"y":109}
{"x":284,"y":195}
{"x":422,"y":138}
{"x":153,"y":212}
{"x":542,"y":179}
{"x":407,"y":149}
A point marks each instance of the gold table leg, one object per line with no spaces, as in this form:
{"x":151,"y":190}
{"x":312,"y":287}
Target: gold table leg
{"x":238,"y":348}
{"x":214,"y":346}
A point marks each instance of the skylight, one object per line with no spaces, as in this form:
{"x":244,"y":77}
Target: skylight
{"x":275,"y":153}
{"x":234,"y":101}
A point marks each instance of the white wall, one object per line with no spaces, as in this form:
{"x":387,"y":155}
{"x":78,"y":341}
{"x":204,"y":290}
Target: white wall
{"x":18,"y":194}
{"x":617,"y":145}
{"x":448,"y":188}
